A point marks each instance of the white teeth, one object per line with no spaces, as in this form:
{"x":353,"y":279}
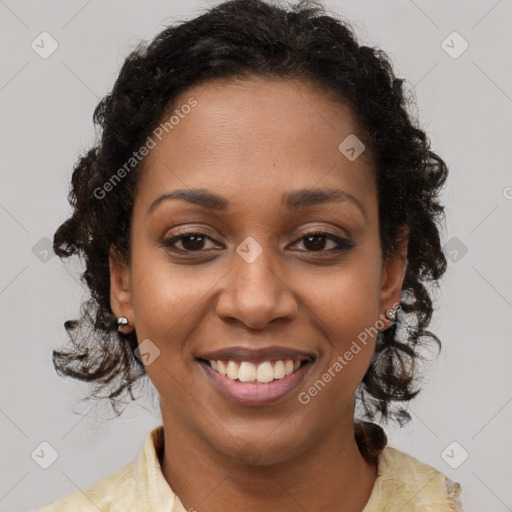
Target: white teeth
{"x":232,"y":370}
{"x":220,"y":367}
{"x":265,"y":372}
{"x":279,"y":370}
{"x":249,"y":372}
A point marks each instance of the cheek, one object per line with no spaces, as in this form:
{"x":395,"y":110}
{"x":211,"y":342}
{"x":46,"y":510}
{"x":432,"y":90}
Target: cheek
{"x":166,"y":297}
{"x":347,"y":300}
{"x":351,"y":332}
{"x":345,"y":307}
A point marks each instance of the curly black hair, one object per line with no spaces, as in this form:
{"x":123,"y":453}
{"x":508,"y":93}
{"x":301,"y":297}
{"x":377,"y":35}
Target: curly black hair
{"x":238,"y":39}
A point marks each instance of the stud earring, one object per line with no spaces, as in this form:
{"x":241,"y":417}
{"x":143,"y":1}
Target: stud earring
{"x":122,"y":323}
{"x":391,"y":314}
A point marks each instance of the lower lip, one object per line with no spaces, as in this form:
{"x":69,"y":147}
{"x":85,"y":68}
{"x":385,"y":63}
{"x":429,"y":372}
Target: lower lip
{"x":256,"y":393}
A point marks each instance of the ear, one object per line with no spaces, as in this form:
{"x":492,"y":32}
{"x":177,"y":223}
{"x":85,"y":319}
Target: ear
{"x":120,"y":286}
{"x":393,"y":274}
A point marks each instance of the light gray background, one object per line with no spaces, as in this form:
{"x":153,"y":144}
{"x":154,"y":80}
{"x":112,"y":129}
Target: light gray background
{"x":46,"y":107}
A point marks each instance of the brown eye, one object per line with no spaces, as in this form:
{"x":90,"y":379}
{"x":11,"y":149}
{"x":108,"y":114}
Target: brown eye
{"x":191,"y":242}
{"x":317,"y":240}
{"x":313,"y":242}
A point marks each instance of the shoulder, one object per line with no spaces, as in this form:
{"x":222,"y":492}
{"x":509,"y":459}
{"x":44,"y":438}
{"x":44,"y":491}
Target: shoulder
{"x":404,"y":483}
{"x":139,"y":485}
{"x":112,"y":494}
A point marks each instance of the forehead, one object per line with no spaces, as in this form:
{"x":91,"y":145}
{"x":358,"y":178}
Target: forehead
{"x":258,"y":136}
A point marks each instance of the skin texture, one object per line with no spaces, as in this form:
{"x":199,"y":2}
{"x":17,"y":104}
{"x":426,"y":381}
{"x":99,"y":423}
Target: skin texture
{"x":252,"y":141}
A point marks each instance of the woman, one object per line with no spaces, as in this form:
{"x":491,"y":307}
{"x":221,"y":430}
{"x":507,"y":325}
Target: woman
{"x":258,"y":221}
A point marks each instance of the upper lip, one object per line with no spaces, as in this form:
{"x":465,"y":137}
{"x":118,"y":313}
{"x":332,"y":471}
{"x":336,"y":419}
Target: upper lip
{"x":273,"y":353}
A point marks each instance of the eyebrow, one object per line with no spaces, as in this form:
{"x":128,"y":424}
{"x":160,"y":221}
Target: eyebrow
{"x":295,"y":200}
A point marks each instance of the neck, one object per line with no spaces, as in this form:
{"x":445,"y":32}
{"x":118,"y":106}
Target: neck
{"x":331,"y":475}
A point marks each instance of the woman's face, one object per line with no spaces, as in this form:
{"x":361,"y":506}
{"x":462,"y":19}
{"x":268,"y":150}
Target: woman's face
{"x":256,"y":159}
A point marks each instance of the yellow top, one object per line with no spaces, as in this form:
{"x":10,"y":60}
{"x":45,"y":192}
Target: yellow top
{"x":403,"y":483}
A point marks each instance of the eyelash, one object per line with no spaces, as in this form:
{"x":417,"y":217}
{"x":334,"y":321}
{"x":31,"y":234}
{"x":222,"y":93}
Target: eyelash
{"x":342,"y":244}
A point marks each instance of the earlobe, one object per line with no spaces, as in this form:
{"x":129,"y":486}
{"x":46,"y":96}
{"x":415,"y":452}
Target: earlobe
{"x":120,"y":290}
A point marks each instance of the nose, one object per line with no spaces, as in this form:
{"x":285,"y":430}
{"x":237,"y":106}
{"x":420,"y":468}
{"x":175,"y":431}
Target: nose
{"x":255,"y":293}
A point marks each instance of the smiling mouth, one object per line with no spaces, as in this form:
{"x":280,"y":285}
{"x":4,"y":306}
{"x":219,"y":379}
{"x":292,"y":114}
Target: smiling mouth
{"x":264,"y":372}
